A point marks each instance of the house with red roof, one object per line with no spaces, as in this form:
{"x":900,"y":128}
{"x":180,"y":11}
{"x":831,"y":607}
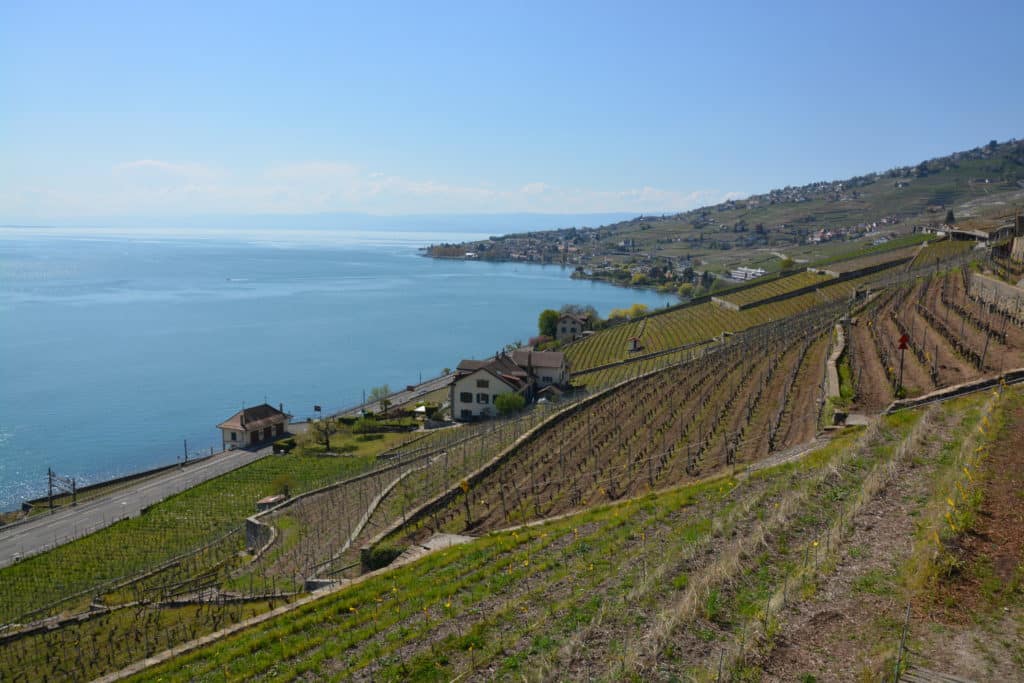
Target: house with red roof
{"x":254,"y":426}
{"x":477,"y":383}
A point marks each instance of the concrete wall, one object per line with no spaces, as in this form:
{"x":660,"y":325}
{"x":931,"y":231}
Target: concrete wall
{"x":1004,"y":296}
{"x":1017,"y":250}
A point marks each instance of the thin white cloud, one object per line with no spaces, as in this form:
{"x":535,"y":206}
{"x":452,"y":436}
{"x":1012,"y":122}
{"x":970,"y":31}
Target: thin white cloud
{"x":170,"y":168}
{"x":154,"y":186}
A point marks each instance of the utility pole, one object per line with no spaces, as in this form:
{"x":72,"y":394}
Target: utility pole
{"x":186,"y":451}
{"x":49,"y":484}
{"x":903,"y":350}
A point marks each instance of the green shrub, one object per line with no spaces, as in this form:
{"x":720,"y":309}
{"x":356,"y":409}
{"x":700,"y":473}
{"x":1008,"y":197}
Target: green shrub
{"x":369,"y":437}
{"x":365,"y":425}
{"x":284,"y":445}
{"x":509,"y":403}
{"x":381,"y":556}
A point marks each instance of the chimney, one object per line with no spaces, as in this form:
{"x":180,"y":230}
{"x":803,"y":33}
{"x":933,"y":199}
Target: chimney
{"x":241,"y":419}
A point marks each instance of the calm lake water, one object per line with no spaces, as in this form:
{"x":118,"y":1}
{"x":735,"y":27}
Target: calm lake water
{"x":115,"y":346}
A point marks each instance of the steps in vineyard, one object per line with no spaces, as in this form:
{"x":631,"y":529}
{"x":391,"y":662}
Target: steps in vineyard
{"x":435,"y":542}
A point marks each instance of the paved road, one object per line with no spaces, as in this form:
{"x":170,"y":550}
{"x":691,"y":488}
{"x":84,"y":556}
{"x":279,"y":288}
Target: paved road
{"x":402,"y":397}
{"x":48,"y":530}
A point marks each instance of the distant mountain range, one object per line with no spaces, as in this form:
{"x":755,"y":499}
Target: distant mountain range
{"x":496,"y":223}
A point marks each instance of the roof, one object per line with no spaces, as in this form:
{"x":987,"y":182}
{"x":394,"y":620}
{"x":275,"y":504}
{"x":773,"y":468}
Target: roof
{"x":513,"y":369}
{"x":539,"y":359}
{"x":257,"y":417}
{"x":515,"y":381}
{"x":582,"y":319}
{"x":500,"y":364}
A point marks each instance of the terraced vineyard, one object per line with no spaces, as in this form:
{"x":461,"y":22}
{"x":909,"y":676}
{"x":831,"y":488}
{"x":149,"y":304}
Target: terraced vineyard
{"x":691,"y":325}
{"x":776,"y":288}
{"x":725,"y":406}
{"x":952,"y":338}
{"x":683,"y":583}
{"x":943,"y":250}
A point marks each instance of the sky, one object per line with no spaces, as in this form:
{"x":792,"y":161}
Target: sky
{"x":167,"y":109}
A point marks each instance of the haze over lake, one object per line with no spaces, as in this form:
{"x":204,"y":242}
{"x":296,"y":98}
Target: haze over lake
{"x":118,"y":344}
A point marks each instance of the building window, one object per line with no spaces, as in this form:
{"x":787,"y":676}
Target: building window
{"x":234,"y":436}
{"x":483,"y":398}
{"x":545,"y":378}
{"x":466,"y":414}
{"x":466,"y":397}
{"x":483,"y":383}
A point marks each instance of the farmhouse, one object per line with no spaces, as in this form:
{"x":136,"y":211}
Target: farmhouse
{"x":545,"y":367}
{"x":253,"y":426}
{"x":478,"y":383}
{"x":571,"y":327}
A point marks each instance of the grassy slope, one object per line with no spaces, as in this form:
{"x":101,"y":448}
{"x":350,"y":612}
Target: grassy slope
{"x":528,"y":600}
{"x":175,"y":526}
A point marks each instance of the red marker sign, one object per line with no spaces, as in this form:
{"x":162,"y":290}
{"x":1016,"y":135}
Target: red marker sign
{"x":904,"y":340}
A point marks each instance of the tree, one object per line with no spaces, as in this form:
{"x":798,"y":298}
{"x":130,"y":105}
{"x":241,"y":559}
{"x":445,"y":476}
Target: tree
{"x":509,"y":403}
{"x":786,"y":264}
{"x":324,"y":428}
{"x":637,"y":311}
{"x":950,"y":218}
{"x":547,"y":323}
{"x":380,"y":395}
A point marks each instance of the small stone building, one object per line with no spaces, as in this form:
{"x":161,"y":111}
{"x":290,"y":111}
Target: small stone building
{"x":571,"y":327}
{"x":254,"y":426}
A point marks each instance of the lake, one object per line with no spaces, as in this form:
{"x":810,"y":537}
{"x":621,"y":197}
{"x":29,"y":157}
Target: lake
{"x":116,"y":346}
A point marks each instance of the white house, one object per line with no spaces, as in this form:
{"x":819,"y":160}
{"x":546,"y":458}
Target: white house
{"x":478,"y":383}
{"x":253,"y":426}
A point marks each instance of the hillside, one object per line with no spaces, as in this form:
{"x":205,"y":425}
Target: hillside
{"x":786,"y":573}
{"x":982,"y":181}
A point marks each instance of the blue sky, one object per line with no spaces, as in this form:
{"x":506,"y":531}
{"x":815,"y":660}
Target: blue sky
{"x":179,"y":108}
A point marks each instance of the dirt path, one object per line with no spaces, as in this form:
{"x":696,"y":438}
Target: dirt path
{"x":873,"y":391}
{"x":802,"y":420}
{"x":848,"y":618}
{"x":755,"y":445}
{"x":976,"y":624}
